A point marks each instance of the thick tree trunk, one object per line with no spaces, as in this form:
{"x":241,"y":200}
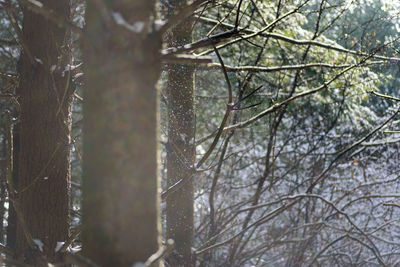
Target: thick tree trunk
{"x":180,"y":153}
{"x":45,"y":101}
{"x":120,"y":167}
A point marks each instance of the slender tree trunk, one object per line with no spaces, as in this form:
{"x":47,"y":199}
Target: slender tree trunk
{"x":12,"y":216}
{"x":120,"y":166}
{"x":181,"y":150}
{"x":3,"y":186}
{"x":45,"y":102}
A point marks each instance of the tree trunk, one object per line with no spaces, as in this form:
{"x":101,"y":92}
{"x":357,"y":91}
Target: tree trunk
{"x":3,"y":181}
{"x":121,"y":220}
{"x":181,"y":150}
{"x":45,"y":101}
{"x":12,"y":216}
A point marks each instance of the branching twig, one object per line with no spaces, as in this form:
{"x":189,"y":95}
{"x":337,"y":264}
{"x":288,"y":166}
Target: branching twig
{"x":344,"y":151}
{"x":279,"y":105}
{"x":161,"y":254}
{"x":71,"y":239}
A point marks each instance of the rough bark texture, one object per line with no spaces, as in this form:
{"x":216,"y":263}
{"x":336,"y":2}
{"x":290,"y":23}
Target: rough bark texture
{"x":120,"y":167}
{"x":180,"y":153}
{"x":45,"y":102}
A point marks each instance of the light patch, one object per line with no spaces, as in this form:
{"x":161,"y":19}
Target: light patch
{"x":137,"y":27}
{"x":38,"y":60}
{"x":39,"y":243}
{"x":59,"y":245}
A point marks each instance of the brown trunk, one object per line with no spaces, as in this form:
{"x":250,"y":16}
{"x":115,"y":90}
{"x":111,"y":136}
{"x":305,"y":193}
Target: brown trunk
{"x":120,"y":166}
{"x":45,"y":101}
{"x":180,"y":153}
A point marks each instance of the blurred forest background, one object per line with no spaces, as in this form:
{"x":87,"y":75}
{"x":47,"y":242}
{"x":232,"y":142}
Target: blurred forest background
{"x":200,"y":133}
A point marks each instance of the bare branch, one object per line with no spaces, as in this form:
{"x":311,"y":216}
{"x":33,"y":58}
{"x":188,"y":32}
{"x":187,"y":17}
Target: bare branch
{"x":183,"y":13}
{"x":279,"y":105}
{"x":252,"y":33}
{"x":385,"y":96}
{"x":287,"y":67}
{"x":352,"y":146}
{"x":228,"y":110}
{"x":162,"y":253}
{"x":186,"y":59}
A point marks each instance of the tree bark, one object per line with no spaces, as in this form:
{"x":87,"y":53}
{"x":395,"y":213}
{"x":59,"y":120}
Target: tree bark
{"x":45,"y":102}
{"x":121,"y":220}
{"x":181,"y":149}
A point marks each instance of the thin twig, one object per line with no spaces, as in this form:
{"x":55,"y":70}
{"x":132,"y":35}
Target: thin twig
{"x":71,"y":239}
{"x":183,"y":13}
{"x":11,"y":188}
{"x":237,"y":14}
{"x":162,"y":253}
{"x":39,"y":176}
{"x":351,"y":147}
{"x":19,"y":33}
{"x":228,"y":110}
{"x":385,"y":96}
{"x":287,"y":67}
{"x":186,"y":59}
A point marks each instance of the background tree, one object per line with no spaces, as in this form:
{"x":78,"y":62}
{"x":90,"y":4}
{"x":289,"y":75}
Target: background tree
{"x":120,"y":173}
{"x":44,"y":95}
{"x":179,"y":90}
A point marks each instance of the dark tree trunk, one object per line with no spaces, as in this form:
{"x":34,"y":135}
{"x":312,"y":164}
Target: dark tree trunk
{"x":120,"y":165}
{"x":44,"y":153}
{"x":180,"y":155}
